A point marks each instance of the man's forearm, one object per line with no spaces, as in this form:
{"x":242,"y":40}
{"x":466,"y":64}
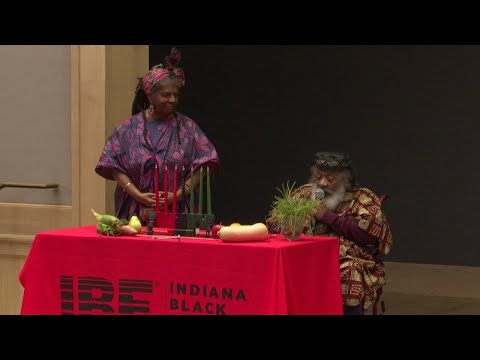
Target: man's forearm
{"x":348,"y":228}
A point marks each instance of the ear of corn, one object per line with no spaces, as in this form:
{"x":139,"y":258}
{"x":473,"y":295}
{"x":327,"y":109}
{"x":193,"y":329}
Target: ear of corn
{"x":106,"y":219}
{"x":108,"y":225}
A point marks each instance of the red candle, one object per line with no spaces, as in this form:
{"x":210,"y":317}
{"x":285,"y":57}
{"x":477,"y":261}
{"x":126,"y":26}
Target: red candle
{"x":165,"y":189}
{"x":183,"y":206}
{"x":157,"y":200}
{"x":174,"y":206}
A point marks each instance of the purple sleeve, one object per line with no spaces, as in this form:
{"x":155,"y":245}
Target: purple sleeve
{"x":348,"y":228}
{"x":204,"y":151}
{"x":111,"y":157}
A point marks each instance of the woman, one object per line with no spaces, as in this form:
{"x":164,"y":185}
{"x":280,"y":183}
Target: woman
{"x":156,"y":135}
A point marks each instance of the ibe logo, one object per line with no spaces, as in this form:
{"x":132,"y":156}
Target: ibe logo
{"x":97,"y":295}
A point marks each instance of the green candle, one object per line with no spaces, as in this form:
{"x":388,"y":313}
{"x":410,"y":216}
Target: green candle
{"x":192,"y":191}
{"x":200,"y":195}
{"x":209,"y":194}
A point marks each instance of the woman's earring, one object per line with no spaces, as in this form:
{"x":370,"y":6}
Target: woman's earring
{"x":150,"y":109}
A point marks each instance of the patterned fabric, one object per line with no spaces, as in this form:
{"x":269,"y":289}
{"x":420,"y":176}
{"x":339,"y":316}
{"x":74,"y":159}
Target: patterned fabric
{"x":328,"y":161}
{"x":362,"y":271}
{"x":158,"y":72}
{"x":130,"y":150}
{"x":329,"y":164}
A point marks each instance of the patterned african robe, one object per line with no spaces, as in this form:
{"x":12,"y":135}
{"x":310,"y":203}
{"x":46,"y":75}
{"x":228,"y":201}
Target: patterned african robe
{"x":131,"y":151}
{"x":362,"y":270}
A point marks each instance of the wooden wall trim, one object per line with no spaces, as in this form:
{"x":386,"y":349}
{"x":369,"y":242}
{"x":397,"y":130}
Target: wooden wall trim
{"x":92,"y":97}
{"x":103,"y":80}
{"x":28,"y":219}
{"x":75,"y":130}
{"x":15,"y":245}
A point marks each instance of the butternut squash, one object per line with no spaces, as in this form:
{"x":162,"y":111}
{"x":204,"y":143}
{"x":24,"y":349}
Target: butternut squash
{"x":255,"y":232}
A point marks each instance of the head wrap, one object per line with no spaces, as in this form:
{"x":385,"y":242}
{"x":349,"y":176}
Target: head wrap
{"x":332,"y":161}
{"x":160,"y":71}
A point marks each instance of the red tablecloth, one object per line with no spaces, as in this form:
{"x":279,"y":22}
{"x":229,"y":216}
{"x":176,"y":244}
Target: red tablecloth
{"x":77,"y":271}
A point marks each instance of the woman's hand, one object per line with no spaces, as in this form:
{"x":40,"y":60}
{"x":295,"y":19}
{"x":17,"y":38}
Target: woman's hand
{"x":169,"y":199}
{"x":147,"y":199}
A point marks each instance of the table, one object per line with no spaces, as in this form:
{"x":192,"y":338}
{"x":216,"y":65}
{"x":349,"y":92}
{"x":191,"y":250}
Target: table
{"x":77,"y":271}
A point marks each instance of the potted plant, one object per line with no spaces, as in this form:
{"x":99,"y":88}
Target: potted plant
{"x":290,"y":213}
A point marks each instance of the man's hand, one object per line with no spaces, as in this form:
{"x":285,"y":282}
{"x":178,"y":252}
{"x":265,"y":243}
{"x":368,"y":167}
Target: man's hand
{"x":321,"y":210}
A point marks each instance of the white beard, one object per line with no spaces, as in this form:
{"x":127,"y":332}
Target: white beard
{"x":331,"y":199}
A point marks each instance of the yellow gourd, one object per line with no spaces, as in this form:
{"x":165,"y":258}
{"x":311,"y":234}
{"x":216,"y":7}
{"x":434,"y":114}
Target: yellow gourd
{"x":135,"y":223}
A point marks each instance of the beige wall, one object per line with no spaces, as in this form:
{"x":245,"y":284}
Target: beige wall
{"x":59,"y":104}
{"x":35,"y":147}
{"x":35,"y":124}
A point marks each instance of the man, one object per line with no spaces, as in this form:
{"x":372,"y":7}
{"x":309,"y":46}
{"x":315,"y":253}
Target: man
{"x":354,"y":215}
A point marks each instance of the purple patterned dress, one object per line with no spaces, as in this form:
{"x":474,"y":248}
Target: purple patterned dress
{"x":133,"y":149}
